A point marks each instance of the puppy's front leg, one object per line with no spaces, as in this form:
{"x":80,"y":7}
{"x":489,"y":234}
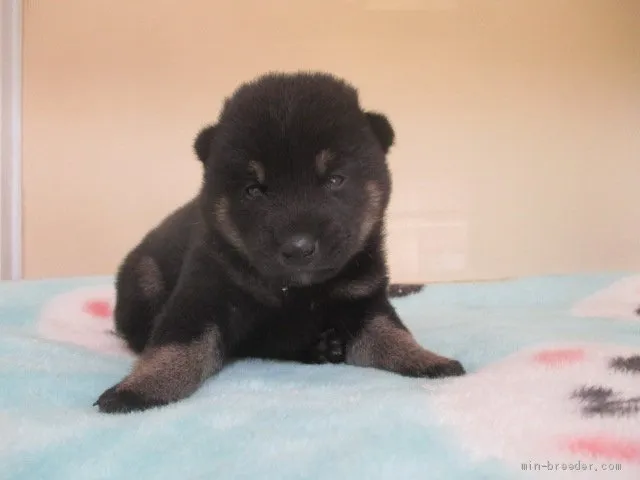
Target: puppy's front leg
{"x":185,"y":348}
{"x":384,"y":343}
{"x":165,"y":373}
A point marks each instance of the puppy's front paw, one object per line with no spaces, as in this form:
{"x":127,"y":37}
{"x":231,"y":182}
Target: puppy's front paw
{"x":329,"y":349}
{"x":445,"y":368}
{"x":116,"y":400}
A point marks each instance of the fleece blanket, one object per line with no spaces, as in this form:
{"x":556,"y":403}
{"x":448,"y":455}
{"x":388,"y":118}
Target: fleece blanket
{"x":552,"y":391}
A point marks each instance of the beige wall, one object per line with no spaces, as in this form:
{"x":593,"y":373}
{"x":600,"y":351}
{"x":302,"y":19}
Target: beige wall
{"x":517,"y":122}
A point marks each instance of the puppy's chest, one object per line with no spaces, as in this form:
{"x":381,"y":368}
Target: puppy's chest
{"x":295,"y":325}
{"x":297,"y":317}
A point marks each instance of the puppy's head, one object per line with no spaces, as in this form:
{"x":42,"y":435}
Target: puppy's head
{"x":295,"y":174}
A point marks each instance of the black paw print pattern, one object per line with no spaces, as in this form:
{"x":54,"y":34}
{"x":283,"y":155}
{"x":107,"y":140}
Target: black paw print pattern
{"x":626,"y":364}
{"x":404,"y":289}
{"x":603,"y":401}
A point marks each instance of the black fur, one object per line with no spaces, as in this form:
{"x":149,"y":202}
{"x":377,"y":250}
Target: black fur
{"x":220,"y":260}
{"x":202,"y":143}
{"x":112,"y":401}
{"x":404,"y":289}
{"x":382,"y":130}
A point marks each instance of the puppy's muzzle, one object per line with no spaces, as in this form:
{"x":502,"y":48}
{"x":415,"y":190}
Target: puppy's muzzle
{"x":299,"y":250}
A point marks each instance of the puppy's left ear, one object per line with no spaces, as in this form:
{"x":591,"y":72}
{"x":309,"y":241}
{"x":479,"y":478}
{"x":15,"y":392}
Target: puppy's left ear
{"x":382,"y":129}
{"x":202,"y":143}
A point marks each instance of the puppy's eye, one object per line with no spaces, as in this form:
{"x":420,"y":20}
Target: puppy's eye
{"x":255,"y":191}
{"x":335,"y":181}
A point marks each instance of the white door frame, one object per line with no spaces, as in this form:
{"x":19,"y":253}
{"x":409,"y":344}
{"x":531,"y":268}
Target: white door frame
{"x":10,"y":139}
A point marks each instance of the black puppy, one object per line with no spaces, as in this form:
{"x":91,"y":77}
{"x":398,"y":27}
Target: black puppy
{"x":283,"y":243}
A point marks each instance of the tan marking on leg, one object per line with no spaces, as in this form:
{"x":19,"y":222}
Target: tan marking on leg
{"x":322,"y":161}
{"x":373,"y":212}
{"x":385,"y":346}
{"x":150,"y":278}
{"x":226,"y":225}
{"x":258,"y":169}
{"x":172,"y":372}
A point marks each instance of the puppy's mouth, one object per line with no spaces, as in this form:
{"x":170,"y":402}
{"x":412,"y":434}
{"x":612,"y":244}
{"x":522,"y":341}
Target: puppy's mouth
{"x":307,"y":277}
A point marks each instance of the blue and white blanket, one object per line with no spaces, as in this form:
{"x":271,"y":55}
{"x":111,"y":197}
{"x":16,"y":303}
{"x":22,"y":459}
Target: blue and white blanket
{"x":553,"y":391}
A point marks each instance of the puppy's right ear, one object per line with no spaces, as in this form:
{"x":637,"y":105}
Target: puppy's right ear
{"x":202,"y":143}
{"x":382,"y":129}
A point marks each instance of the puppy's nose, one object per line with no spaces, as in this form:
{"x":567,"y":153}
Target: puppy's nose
{"x":299,"y":248}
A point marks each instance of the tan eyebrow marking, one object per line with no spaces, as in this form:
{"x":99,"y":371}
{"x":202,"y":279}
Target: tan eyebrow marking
{"x":258,"y":169}
{"x":322,"y":160}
